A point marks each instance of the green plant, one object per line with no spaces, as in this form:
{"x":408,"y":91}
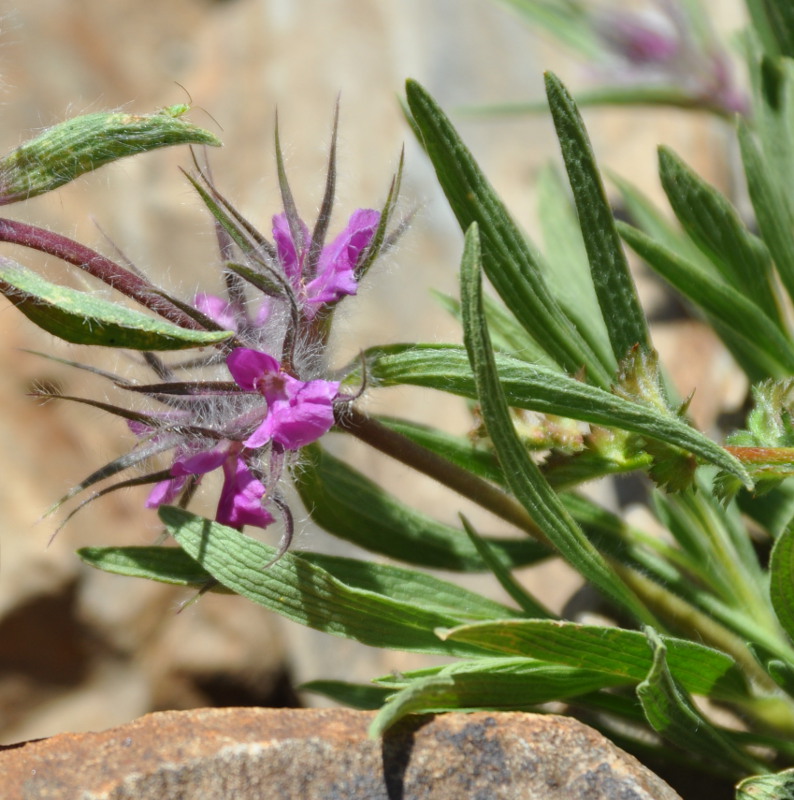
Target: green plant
{"x":707,"y":612}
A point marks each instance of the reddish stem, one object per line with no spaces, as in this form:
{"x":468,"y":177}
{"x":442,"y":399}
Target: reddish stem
{"x":114,"y":275}
{"x":763,"y":455}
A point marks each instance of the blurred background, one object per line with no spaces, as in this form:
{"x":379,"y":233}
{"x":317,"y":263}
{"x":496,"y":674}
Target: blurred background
{"x":83,"y":650}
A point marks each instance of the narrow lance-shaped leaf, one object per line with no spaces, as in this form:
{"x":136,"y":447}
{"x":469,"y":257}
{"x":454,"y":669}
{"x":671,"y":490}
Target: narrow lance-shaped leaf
{"x":525,"y":479}
{"x":446,"y":368}
{"x":174,"y":566}
{"x":489,"y":683}
{"x":349,"y":505}
{"x":411,"y":586}
{"x":82,"y":318}
{"x":715,"y":226}
{"x":771,"y":203}
{"x":699,"y":669}
{"x":522,"y":597}
{"x":672,"y":714}
{"x":308,"y":594}
{"x":763,"y":27}
{"x":510,"y":262}
{"x":613,"y":96}
{"x":781,"y":579}
{"x":779,"y":22}
{"x":122,"y":279}
{"x":771,"y":351}
{"x":566,"y":258}
{"x":67,"y":150}
{"x":614,"y":286}
{"x":170,"y":565}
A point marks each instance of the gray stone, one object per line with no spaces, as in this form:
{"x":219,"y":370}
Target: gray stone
{"x":312,"y":754}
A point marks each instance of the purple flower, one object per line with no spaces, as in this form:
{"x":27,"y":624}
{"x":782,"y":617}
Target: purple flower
{"x":218,"y":310}
{"x":637,"y":39}
{"x":298,"y":412}
{"x":242,"y":493}
{"x":336,"y":267}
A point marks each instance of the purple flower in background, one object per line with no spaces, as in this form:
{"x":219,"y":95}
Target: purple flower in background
{"x":642,"y":40}
{"x":242,"y":493}
{"x":665,"y":43}
{"x":335,"y":274}
{"x":298,"y":412}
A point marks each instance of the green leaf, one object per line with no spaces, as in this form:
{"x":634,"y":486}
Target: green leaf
{"x":446,"y":368}
{"x":162,"y":564}
{"x":509,"y":684}
{"x":699,"y":669}
{"x":568,"y":270}
{"x":717,"y":229}
{"x":672,"y":714}
{"x":524,"y":478}
{"x":522,"y":597}
{"x":639,"y":95}
{"x":507,"y":335}
{"x":614,"y":286}
{"x":306,"y":593}
{"x":565,"y":20}
{"x":656,"y":224}
{"x":67,"y":150}
{"x":82,"y":318}
{"x":762,"y":27}
{"x":349,"y":505}
{"x":779,"y":22}
{"x":779,"y":786}
{"x":771,"y":350}
{"x":772,"y":205}
{"x":410,"y":586}
{"x":457,"y":449}
{"x":781,"y":579}
{"x":511,"y":263}
{"x":773,"y":111}
{"x":174,"y":566}
{"x":354,"y":695}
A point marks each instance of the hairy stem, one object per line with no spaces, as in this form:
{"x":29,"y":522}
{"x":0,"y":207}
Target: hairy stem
{"x":107,"y":270}
{"x":445,"y":472}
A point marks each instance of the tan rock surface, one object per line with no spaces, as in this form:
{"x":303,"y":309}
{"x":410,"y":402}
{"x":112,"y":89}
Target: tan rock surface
{"x":250,"y":754}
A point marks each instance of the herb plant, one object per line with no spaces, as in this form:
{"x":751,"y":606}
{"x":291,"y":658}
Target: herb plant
{"x":705,"y":612}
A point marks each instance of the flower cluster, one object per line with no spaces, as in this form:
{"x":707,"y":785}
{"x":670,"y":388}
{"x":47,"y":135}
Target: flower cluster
{"x":248,"y":406}
{"x":276,"y":410}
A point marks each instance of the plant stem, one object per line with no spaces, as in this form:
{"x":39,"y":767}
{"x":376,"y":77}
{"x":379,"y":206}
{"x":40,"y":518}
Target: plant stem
{"x":107,"y":270}
{"x":462,"y":481}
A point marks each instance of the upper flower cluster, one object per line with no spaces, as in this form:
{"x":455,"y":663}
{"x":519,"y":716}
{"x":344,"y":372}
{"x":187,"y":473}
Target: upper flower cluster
{"x":335,"y":273}
{"x":278,"y":400}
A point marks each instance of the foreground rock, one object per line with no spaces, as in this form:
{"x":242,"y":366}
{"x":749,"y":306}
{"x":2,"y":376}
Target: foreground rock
{"x":254,"y":753}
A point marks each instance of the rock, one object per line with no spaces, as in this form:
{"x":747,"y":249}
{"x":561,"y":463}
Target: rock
{"x":310,"y":754}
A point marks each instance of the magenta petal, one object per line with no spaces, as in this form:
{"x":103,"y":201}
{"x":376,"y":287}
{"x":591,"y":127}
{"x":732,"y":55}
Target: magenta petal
{"x":248,"y":366}
{"x":288,"y":256}
{"x":217,"y":309}
{"x":337,"y":265}
{"x":200,"y":463}
{"x":262,"y":435}
{"x":165,"y":492}
{"x":139,"y":428}
{"x":300,"y":419}
{"x":241,"y":498}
